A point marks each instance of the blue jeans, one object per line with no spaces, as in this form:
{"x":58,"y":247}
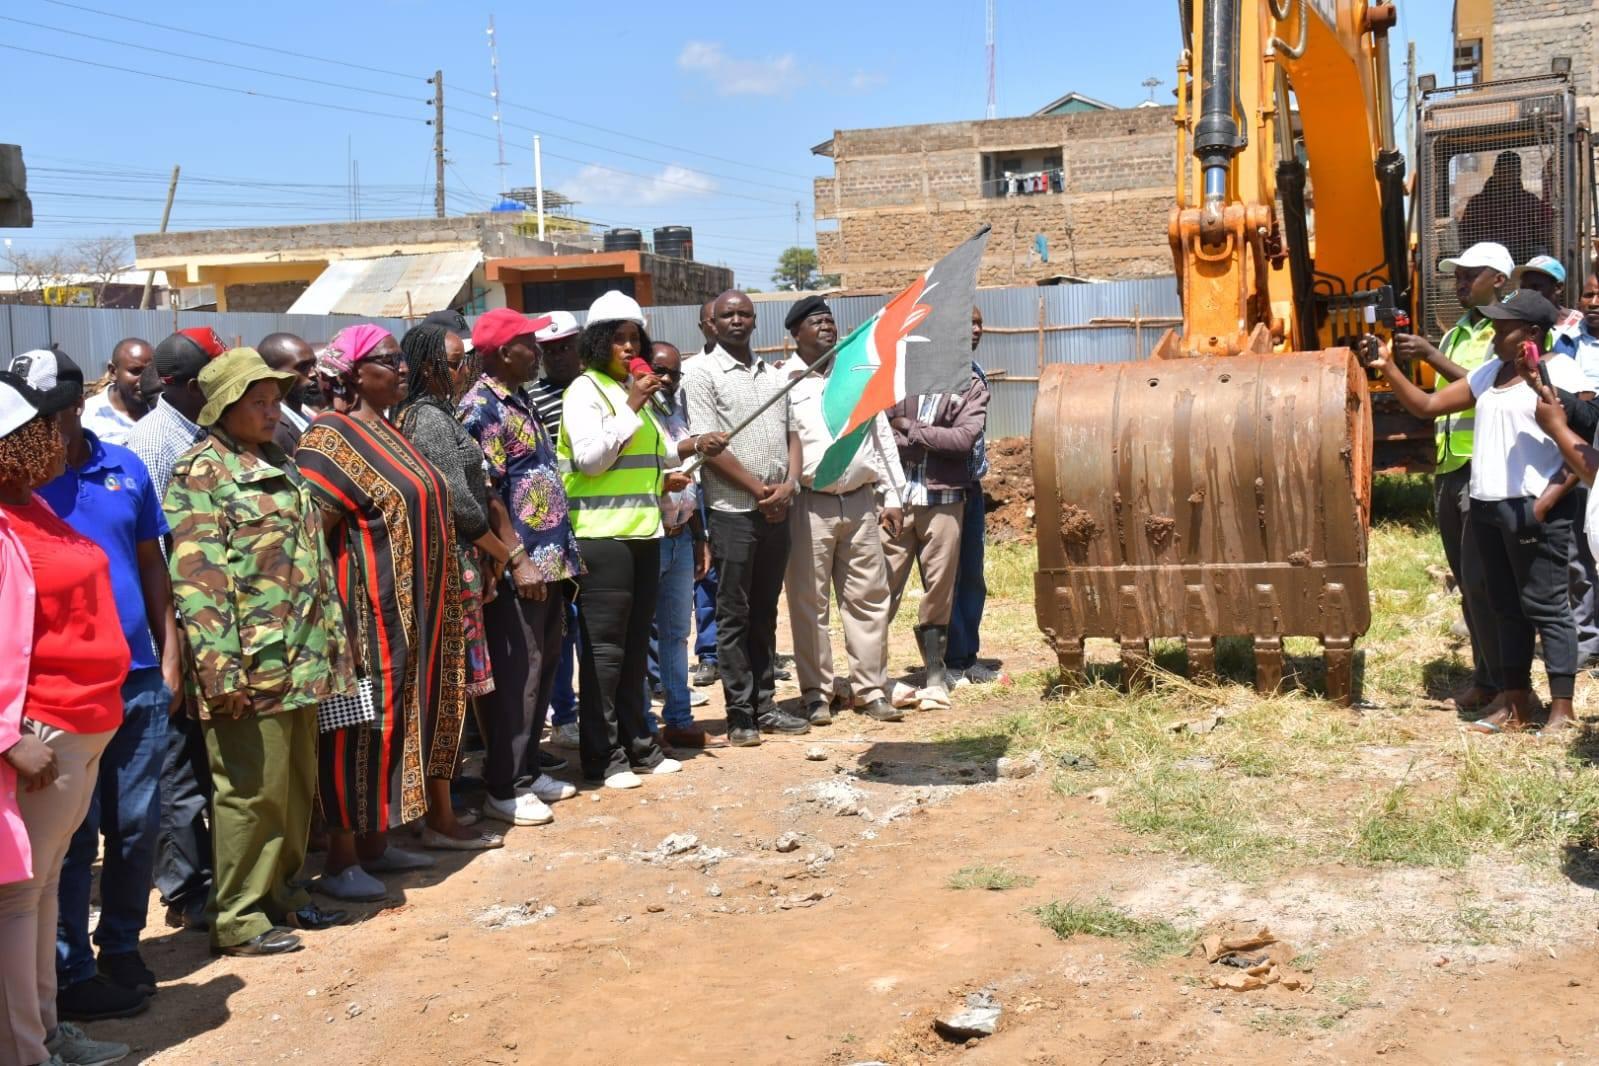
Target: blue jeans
{"x":563,"y":699}
{"x":126,"y":808}
{"x":705,"y":617}
{"x":971,"y":591}
{"x":673,"y":606}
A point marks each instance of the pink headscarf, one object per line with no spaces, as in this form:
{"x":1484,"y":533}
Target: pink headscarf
{"x":349,"y":346}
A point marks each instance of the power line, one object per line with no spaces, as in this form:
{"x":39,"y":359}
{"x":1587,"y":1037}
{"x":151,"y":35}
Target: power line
{"x":210,"y":85}
{"x":210,"y":61}
{"x":344,"y":64}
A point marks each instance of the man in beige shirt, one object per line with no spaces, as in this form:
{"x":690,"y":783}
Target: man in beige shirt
{"x":834,"y":539}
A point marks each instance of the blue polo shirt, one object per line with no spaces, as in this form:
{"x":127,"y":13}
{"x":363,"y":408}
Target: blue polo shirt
{"x":111,"y":501}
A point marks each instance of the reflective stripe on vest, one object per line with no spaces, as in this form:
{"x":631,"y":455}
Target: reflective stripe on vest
{"x":625,"y":501}
{"x":1470,"y":345}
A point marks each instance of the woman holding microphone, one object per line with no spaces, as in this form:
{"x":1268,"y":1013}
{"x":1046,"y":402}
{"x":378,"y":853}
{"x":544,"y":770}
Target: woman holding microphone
{"x":1521,"y":513}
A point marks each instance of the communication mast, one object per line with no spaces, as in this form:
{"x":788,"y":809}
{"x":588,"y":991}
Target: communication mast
{"x":499,"y":132}
{"x":993,"y":110}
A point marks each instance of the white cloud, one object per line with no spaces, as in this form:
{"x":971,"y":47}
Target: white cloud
{"x":773,"y":76}
{"x":866,"y":80}
{"x":601,"y":185}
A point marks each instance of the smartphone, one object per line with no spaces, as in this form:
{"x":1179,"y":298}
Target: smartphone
{"x":1533,"y":358}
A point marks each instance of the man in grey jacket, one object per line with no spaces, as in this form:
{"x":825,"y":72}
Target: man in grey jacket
{"x":935,"y":435}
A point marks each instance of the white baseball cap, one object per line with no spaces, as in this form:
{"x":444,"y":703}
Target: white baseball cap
{"x":19,"y":403}
{"x":616,"y":306}
{"x":563,"y":324}
{"x":1482,"y":254}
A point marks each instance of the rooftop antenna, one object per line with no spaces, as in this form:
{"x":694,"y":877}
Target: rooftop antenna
{"x":993,"y":109}
{"x":499,"y":132}
{"x":1152,"y":83}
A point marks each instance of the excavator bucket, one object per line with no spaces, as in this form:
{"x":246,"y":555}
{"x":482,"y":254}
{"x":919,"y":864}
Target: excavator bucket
{"x":1204,"y":498}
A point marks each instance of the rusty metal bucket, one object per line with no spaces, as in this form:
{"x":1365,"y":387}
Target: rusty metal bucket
{"x":1204,"y":498}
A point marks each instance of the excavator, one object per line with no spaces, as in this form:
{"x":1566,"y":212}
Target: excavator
{"x":1222,"y":487}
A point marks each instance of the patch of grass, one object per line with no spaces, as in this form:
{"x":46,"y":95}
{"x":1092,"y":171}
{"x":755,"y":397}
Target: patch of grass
{"x":992,"y":878}
{"x":1008,"y":569}
{"x":1201,"y":814}
{"x":1151,"y":939}
{"x":1504,"y":798}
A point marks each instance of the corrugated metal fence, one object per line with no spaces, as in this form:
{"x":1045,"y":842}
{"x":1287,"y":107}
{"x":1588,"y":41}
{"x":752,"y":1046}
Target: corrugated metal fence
{"x":1025,"y":328}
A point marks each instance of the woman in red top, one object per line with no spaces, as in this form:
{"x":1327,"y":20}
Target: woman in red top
{"x":71,"y":668}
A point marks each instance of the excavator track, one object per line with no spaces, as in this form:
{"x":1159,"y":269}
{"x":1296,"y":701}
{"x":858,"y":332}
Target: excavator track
{"x":1205,"y":498}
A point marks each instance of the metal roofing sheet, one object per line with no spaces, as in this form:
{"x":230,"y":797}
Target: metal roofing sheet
{"x":392,"y":285}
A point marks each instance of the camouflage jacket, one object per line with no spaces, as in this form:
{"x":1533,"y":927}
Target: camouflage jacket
{"x":253,"y":581}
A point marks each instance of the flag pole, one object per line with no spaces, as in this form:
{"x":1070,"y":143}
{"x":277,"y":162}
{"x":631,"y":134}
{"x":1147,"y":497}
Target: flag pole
{"x":697,"y":460}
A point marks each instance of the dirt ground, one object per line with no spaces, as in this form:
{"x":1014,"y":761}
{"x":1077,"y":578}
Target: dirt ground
{"x":1009,"y":488}
{"x":670,"y":925}
{"x":792,"y":904}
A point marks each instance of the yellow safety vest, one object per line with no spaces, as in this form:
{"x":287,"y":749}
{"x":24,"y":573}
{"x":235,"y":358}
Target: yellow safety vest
{"x":1469,"y":344}
{"x":625,"y":501}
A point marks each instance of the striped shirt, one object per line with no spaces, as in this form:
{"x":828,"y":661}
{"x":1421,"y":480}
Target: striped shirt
{"x":545,"y":397}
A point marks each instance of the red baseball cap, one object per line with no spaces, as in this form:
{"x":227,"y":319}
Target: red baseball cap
{"x":501,"y":326}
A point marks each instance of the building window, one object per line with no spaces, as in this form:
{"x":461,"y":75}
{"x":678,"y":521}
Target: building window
{"x":1023,"y":172}
{"x":1468,"y":62}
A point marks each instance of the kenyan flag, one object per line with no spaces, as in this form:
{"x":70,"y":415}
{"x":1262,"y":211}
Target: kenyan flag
{"x":918,"y":345}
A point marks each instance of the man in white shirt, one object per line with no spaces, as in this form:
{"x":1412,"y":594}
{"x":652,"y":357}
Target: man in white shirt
{"x":110,"y":413}
{"x":834,"y":539}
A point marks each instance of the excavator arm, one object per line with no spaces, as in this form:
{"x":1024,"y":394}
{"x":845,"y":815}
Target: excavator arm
{"x":1222,"y":488}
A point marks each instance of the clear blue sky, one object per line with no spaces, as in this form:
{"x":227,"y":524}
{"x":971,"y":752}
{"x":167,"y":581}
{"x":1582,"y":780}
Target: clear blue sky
{"x":652,"y":114}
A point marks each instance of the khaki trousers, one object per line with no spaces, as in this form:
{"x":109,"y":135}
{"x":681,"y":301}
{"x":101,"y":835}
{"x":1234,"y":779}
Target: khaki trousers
{"x":835,"y":547}
{"x":931,"y":537}
{"x":28,"y":908}
{"x":265,"y":770}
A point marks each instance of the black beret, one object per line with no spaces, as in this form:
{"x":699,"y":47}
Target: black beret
{"x":804,"y":308}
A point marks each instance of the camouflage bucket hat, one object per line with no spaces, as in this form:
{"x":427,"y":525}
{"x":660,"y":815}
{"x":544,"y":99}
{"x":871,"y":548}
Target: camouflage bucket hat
{"x":230,"y":375}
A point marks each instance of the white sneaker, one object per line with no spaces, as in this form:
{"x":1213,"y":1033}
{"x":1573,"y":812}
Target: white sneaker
{"x":665,"y":766}
{"x":525,"y":809}
{"x":625,"y":779}
{"x":72,"y":1046}
{"x":548,"y":789}
{"x":565,"y":736}
{"x":696,"y":698}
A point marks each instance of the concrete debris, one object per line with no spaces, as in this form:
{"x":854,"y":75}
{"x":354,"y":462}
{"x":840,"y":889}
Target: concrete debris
{"x":677,"y":844}
{"x":804,"y":899}
{"x":788,"y":842}
{"x":1026,"y":766}
{"x":839,"y":797}
{"x":510,"y":917}
{"x":979,"y":1017}
{"x":816,"y":753}
{"x":714,"y":891}
{"x":353,"y":1010}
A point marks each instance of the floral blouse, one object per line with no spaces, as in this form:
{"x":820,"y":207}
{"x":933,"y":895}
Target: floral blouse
{"x":521,"y":464}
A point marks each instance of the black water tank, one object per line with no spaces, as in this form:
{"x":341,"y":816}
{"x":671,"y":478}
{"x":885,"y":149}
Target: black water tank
{"x":674,"y":241}
{"x":623,"y":240}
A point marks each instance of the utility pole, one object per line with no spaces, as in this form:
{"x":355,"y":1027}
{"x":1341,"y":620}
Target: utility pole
{"x":437,"y":82}
{"x":166,"y":216}
{"x":1411,"y":92}
{"x":538,"y":182}
{"x":499,"y":131}
{"x":797,"y":240}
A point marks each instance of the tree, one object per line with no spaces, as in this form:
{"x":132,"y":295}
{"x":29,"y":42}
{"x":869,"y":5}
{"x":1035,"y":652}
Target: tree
{"x":100,"y":260}
{"x":797,"y":271}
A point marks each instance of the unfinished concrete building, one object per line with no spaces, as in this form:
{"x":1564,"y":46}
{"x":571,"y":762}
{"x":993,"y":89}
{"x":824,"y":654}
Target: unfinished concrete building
{"x":1082,"y":191}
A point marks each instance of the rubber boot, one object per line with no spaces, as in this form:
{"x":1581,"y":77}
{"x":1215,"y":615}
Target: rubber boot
{"x":934,"y":642}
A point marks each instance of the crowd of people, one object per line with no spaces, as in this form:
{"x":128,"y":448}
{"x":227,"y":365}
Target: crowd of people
{"x":259,"y":601}
{"x":1515,"y":414}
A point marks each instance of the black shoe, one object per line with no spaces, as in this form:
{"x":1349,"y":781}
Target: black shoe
{"x":782,"y":673}
{"x":188,"y":916}
{"x":775,"y":721}
{"x":744,"y":738}
{"x":275,"y":941}
{"x":819,"y":713}
{"x":881,"y":710}
{"x":313,"y":917}
{"x":706,"y":673}
{"x":549,"y":761}
{"x":97,"y":999}
{"x":129,"y":971}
